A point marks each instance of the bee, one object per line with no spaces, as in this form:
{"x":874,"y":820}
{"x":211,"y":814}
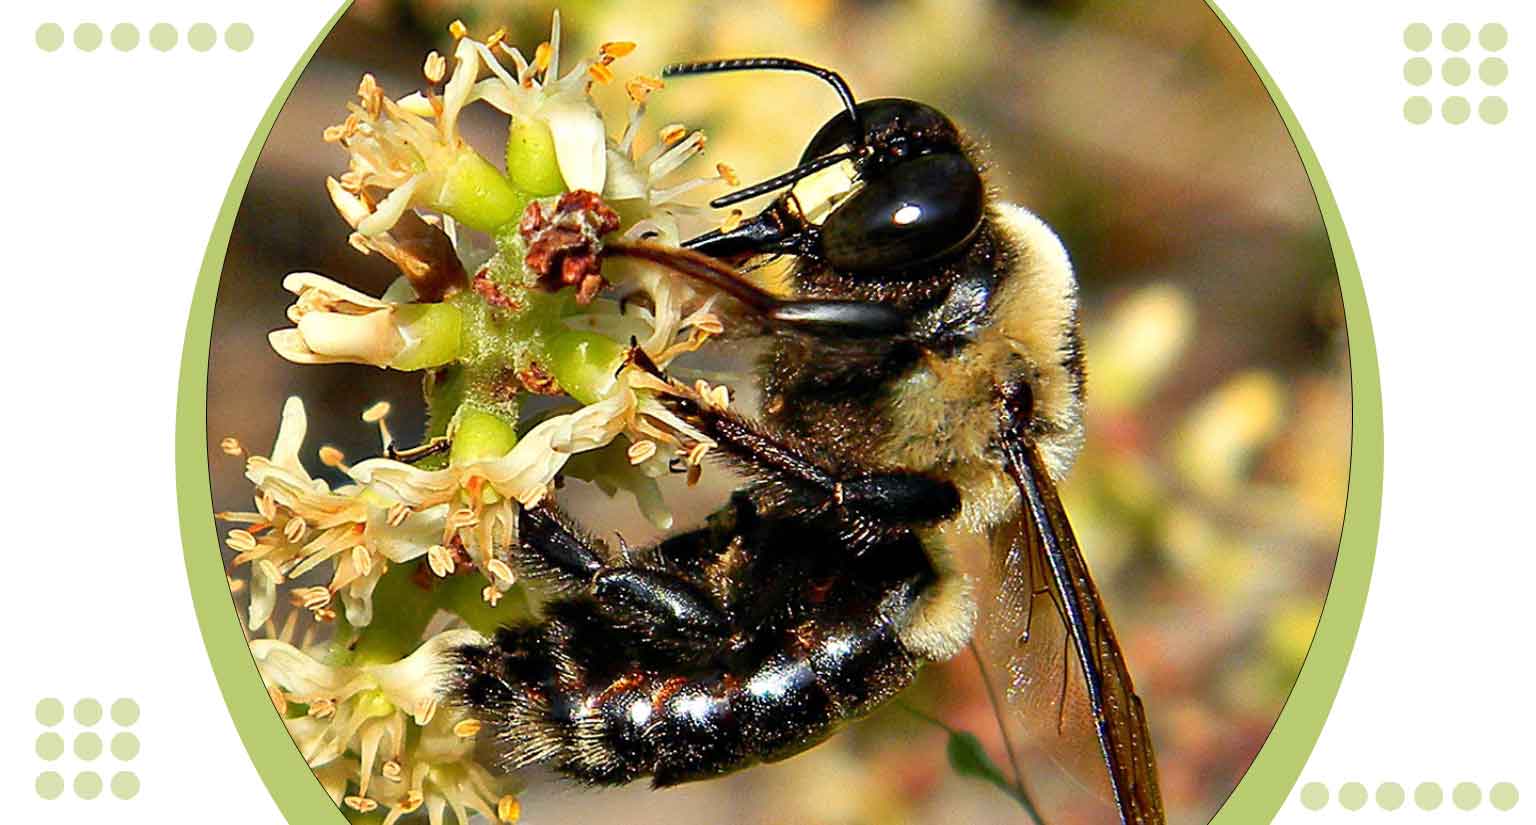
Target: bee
{"x":923,"y":393}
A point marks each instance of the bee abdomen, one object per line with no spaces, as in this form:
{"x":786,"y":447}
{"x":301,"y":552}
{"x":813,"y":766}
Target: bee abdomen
{"x":682,"y":726}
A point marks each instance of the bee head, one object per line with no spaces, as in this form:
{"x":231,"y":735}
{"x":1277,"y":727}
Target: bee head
{"x":882,"y":189}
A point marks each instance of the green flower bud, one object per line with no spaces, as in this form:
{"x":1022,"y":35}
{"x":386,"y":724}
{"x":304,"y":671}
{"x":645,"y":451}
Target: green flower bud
{"x":531,"y":162}
{"x":480,"y":436}
{"x":432,"y":333}
{"x":584,"y":363}
{"x":476,"y":194}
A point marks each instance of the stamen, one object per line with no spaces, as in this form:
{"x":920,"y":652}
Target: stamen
{"x":440,"y":560}
{"x":231,"y":446}
{"x":727,"y":174}
{"x":361,"y":804}
{"x":436,"y":67}
{"x":467,"y":728}
{"x":541,"y":57}
{"x":491,"y":594}
{"x":496,"y":38}
{"x":640,"y":87}
{"x":672,"y":133}
{"x":411,"y":802}
{"x":640,"y":451}
{"x":508,"y":809}
{"x":731,"y":222}
{"x":458,"y":29}
{"x":332,"y":457}
{"x":616,"y":49}
{"x":500,"y":570}
{"x":600,"y":73}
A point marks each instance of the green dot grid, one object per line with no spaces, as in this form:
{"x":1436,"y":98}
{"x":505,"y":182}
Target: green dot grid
{"x":126,"y":37}
{"x":1427,"y":796}
{"x":1463,"y":55}
{"x":86,"y":714}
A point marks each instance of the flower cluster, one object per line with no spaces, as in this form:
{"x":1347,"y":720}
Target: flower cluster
{"x":427,"y":531}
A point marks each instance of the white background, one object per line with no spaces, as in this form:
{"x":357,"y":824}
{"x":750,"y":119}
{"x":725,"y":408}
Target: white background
{"x":115,"y":166}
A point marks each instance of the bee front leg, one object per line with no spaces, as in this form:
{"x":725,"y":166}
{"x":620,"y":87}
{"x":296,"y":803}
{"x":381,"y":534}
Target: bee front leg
{"x":894,"y":497}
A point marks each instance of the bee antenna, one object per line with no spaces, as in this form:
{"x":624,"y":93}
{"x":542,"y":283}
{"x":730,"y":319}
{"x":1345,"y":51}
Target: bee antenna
{"x":785,"y":64}
{"x":780,"y":181}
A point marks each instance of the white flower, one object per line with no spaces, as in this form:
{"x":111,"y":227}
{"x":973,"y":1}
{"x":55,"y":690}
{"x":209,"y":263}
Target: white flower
{"x":536,"y":91}
{"x":300,"y":523}
{"x":382,"y":729}
{"x":337,"y":324}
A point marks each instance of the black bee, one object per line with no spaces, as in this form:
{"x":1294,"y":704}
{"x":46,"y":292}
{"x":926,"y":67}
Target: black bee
{"x":923,"y":393}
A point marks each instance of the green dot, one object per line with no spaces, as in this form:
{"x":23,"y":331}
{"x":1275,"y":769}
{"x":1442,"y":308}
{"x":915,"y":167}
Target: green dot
{"x":201,"y":37}
{"x":162,"y":36}
{"x":125,"y":785}
{"x":88,"y":785}
{"x":50,"y":746}
{"x":1456,"y":110}
{"x":87,"y":37}
{"x":125,"y":37}
{"x":1389,"y":795}
{"x":1455,"y":37}
{"x":50,"y":712}
{"x":239,"y":36}
{"x":1503,"y":796}
{"x":125,"y":712}
{"x":1352,"y":795}
{"x":125,"y":746}
{"x":1493,"y":71}
{"x":49,"y":37}
{"x":1314,"y":796}
{"x":1467,"y":795}
{"x":1493,"y":110}
{"x":87,"y":746}
{"x":1493,"y":37}
{"x":1418,"y":71}
{"x":50,"y":785}
{"x":1417,"y":110}
{"x":1417,"y":37}
{"x":1456,"y":71}
{"x":1428,"y":796}
{"x":87,"y":712}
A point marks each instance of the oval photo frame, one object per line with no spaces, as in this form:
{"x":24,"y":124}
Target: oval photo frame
{"x":1257,"y":797}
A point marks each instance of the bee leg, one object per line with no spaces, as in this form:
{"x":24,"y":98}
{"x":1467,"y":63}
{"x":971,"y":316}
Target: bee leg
{"x":657,"y":604}
{"x":900,"y":497}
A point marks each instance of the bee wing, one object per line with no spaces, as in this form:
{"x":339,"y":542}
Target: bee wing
{"x":1064,"y":676}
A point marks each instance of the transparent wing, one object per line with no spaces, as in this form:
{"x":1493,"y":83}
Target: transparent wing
{"x":1054,"y":655}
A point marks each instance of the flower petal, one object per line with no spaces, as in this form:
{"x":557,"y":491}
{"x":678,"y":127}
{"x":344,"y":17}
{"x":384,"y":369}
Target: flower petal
{"x":581,"y":146}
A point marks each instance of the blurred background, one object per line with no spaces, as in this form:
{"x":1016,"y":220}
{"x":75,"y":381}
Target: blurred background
{"x":1210,"y":496}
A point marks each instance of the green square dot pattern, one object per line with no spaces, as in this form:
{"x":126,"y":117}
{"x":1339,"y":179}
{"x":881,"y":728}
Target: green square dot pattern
{"x":85,"y":725}
{"x":1455,"y":71}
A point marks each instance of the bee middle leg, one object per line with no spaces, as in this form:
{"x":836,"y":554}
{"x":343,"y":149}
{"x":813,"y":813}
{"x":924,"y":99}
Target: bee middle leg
{"x":653,"y":602}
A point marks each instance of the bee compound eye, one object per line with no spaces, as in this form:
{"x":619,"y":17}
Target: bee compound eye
{"x":916,"y":210}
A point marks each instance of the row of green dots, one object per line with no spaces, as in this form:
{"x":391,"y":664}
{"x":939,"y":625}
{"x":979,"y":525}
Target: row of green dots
{"x":162,"y":36}
{"x":50,"y":712}
{"x":1427,"y":796}
{"x":1456,"y":36}
{"x":50,"y":746}
{"x":50,"y":785}
{"x":1456,"y":110}
{"x":1455,"y":71}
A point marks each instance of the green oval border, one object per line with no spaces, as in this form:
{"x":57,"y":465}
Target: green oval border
{"x":1269,"y":780}
{"x":1258,"y":796}
{"x":294,"y":788}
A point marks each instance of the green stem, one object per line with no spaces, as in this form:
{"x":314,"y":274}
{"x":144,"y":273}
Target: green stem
{"x":402,"y":610}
